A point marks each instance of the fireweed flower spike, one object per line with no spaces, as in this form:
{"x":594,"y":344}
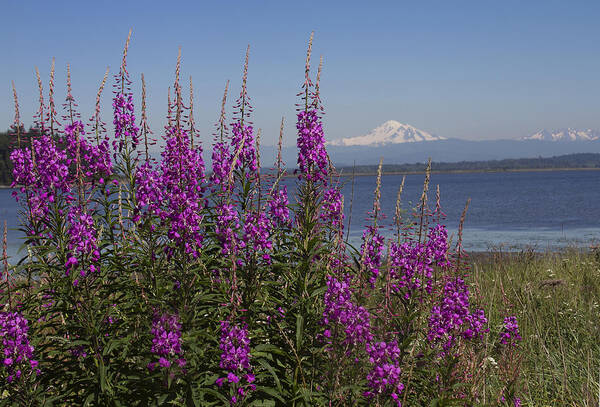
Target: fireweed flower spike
{"x":166,"y":342}
{"x":340,"y":311}
{"x":372,"y":251}
{"x":279,"y":212}
{"x":412,"y":262}
{"x":16,"y":353}
{"x":452,"y":318}
{"x":235,"y":360}
{"x":94,"y":159}
{"x":242,"y":133}
{"x":384,"y":377}
{"x":124,"y":117}
{"x":312,"y":156}
{"x":82,"y":242}
{"x":175,"y":193}
{"x":510,"y":332}
{"x":221,"y":156}
{"x":44,"y":171}
{"x":332,"y":211}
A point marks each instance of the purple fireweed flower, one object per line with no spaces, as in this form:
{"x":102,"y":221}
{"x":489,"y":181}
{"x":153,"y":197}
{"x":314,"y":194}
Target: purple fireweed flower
{"x":452,"y":317}
{"x":354,"y":320}
{"x":437,"y":245}
{"x":175,"y":192}
{"x":95,"y":159}
{"x":235,"y":347}
{"x":45,"y":172}
{"x":384,"y":377}
{"x":410,"y":268}
{"x":82,"y":240}
{"x":312,"y":155}
{"x":412,"y":263}
{"x":235,"y":358}
{"x":182,"y":176}
{"x":227,"y":227}
{"x":279,"y":212}
{"x":149,"y":193}
{"x":476,"y":325}
{"x":221,"y":165}
{"x":257,"y":232}
{"x":372,"y":251}
{"x":510,"y":331}
{"x":16,"y":353}
{"x":124,"y":121}
{"x":242,"y":145}
{"x":332,"y":209}
{"x":166,"y":343}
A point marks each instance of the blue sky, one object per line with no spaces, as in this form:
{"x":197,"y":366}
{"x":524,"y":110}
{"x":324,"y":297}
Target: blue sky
{"x":473,"y":70}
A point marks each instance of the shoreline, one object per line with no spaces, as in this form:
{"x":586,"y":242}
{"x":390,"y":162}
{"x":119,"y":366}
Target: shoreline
{"x":370,"y":173}
{"x":290,"y":174}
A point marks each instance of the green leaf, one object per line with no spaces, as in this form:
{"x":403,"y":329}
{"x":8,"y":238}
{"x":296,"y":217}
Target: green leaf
{"x":299,"y":331}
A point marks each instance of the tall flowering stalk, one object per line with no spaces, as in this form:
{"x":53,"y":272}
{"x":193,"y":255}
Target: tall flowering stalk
{"x":384,"y":377}
{"x":182,"y":176}
{"x":16,"y":353}
{"x":452,"y":318}
{"x":166,"y":342}
{"x":43,"y":171}
{"x":342,"y":315}
{"x":126,"y":131}
{"x":235,"y":361}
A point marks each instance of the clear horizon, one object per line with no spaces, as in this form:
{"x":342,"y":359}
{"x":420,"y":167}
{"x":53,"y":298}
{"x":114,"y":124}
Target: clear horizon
{"x":464,"y":70}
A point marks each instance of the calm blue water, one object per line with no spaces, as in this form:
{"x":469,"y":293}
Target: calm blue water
{"x":513,"y":210}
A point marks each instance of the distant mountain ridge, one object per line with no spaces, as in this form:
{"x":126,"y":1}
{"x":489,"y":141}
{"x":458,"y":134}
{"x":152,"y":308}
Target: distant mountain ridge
{"x":390,"y":132}
{"x":568,"y":134}
{"x":396,"y":143}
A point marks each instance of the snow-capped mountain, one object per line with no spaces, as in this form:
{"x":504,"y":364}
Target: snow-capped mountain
{"x":565,"y":135}
{"x":390,"y":132}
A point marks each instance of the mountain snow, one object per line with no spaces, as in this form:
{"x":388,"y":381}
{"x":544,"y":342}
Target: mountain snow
{"x":565,"y":135}
{"x":390,"y":132}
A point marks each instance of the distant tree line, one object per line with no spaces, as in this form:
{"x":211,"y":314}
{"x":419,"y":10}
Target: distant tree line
{"x":579,"y":160}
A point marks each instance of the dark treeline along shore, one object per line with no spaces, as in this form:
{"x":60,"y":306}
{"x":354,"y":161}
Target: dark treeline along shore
{"x":567,"y":161}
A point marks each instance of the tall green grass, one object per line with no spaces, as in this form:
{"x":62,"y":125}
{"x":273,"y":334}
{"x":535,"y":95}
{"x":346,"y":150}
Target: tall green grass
{"x":556,"y":298}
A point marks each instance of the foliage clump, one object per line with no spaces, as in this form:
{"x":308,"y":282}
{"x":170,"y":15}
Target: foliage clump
{"x":150,"y":283}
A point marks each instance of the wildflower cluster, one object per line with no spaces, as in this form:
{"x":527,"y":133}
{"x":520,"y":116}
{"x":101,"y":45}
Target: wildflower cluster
{"x":221,"y":165}
{"x":341,"y":313}
{"x":175,"y":192}
{"x":333,"y":210}
{"x":124,"y":121}
{"x":412,"y":263}
{"x":372,"y":252}
{"x":235,"y":359}
{"x":236,"y":261}
{"x":82,"y":241}
{"x":278,"y":204}
{"x":16,"y":353}
{"x":313,"y":162}
{"x":510,"y":331}
{"x":242,"y":144}
{"x":94,"y":160}
{"x":166,"y":343}
{"x":257,"y":232}
{"x":226,"y":228}
{"x":384,"y":377}
{"x":43,"y":171}
{"x":452,"y":318}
